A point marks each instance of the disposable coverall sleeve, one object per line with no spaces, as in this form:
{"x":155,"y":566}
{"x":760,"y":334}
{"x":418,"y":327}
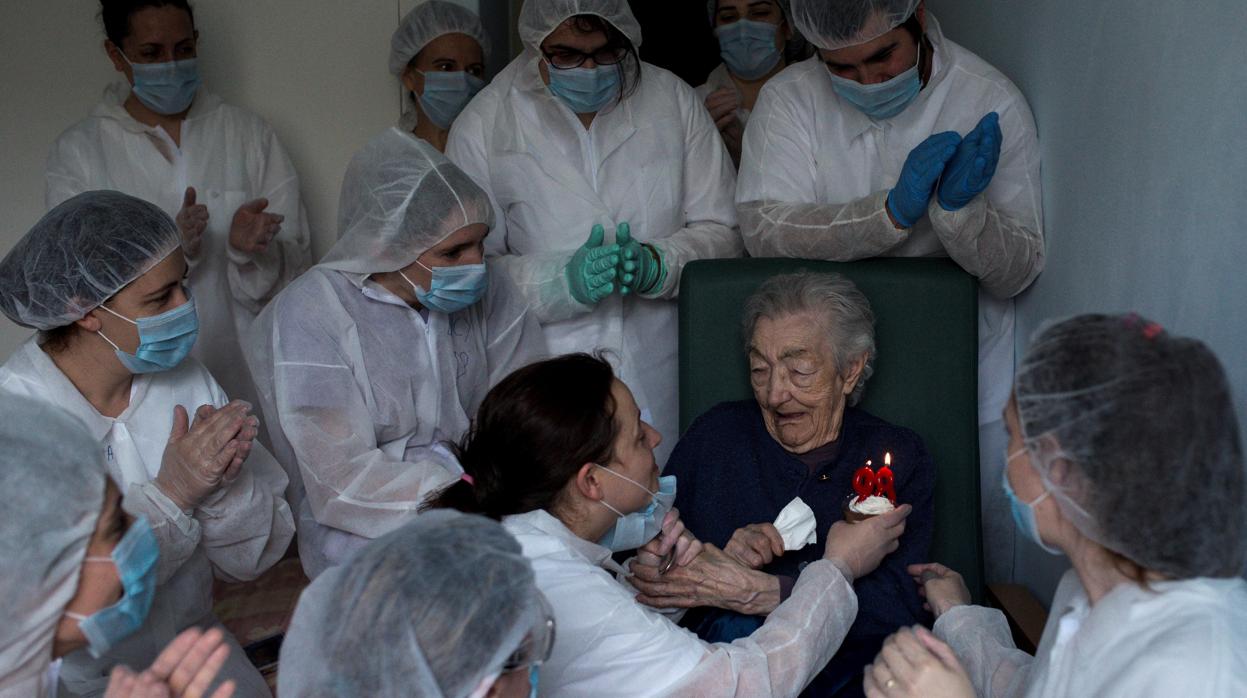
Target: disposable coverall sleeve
{"x":513,"y":336}
{"x":998,"y":236}
{"x":247,"y":525}
{"x":709,"y":185}
{"x":351,"y":483}
{"x":254,"y":279}
{"x":797,"y":640}
{"x":982,"y":641}
{"x":177,"y":532}
{"x":778,"y":204}
{"x":540,"y":277}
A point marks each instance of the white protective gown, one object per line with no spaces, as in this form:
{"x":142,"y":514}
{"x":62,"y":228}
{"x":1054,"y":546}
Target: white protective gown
{"x":366,"y":389}
{"x":606,"y":644}
{"x":1185,"y":638}
{"x":230,"y":156}
{"x":235,"y":534}
{"x":654,"y":161}
{"x":815,"y":175}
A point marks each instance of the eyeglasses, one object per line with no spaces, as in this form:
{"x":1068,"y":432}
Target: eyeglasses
{"x":566,"y":58}
{"x":537,"y":645}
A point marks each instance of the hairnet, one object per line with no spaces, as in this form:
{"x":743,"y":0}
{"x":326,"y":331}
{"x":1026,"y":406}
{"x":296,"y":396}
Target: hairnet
{"x":1146,"y":424}
{"x":540,"y":17}
{"x":53,"y":481}
{"x":834,"y":24}
{"x":399,"y":198}
{"x":427,"y":21}
{"x":81,"y":253}
{"x":430,"y":609}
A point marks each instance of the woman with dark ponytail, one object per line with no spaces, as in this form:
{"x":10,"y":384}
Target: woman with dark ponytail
{"x":560,"y":454}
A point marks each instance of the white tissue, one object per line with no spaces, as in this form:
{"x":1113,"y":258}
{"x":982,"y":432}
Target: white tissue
{"x":796,"y":525}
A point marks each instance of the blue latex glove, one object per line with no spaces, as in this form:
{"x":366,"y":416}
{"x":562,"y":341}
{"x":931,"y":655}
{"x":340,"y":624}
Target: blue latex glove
{"x":971,"y":169}
{"x":591,"y":270}
{"x":640,"y":269}
{"x":907,"y":202}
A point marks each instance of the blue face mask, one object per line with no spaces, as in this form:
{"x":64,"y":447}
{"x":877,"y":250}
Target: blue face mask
{"x":166,"y":88}
{"x":533,"y":672}
{"x":446,"y":94}
{"x":882,"y":100}
{"x":452,"y":288}
{"x":1024,"y":512}
{"x":135,"y":556}
{"x":164,"y":340}
{"x":585,"y":90}
{"x":633,"y":530}
{"x":748,"y":48}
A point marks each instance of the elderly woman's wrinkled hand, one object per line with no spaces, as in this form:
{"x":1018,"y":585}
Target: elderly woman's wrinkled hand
{"x":914,"y":663}
{"x":673,"y":535}
{"x":712,"y":579}
{"x":755,"y":545}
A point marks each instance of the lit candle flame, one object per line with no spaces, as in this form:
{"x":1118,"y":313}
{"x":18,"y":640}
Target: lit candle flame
{"x":887,"y":459}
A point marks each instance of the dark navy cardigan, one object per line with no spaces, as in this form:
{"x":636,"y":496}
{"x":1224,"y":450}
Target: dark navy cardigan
{"x":730,"y":472}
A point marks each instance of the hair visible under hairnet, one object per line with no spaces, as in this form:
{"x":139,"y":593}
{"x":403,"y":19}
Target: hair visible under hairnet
{"x":843,"y":309}
{"x":538,"y":18}
{"x":1146,"y":424}
{"x":835,"y":24}
{"x":81,"y":253}
{"x":430,"y":609}
{"x":399,"y":198}
{"x":53,"y":481}
{"x":427,"y":21}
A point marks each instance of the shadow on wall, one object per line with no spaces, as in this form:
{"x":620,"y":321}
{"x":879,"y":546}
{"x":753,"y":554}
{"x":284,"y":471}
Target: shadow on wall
{"x":1139,"y":107}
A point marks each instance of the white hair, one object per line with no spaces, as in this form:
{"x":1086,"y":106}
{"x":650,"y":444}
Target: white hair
{"x":843,"y":309}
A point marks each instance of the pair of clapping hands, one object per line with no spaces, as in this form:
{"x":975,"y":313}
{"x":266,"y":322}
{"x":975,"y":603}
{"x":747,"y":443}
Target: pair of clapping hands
{"x":596,"y":270}
{"x":704,"y":575}
{"x":250,"y":230}
{"x":953,"y":168}
{"x":208,"y":455}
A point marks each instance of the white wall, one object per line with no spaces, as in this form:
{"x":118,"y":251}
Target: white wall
{"x":1140,"y":106}
{"x":315,"y":69}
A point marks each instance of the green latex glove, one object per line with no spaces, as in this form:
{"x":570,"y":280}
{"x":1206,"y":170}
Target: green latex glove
{"x":591,"y":270}
{"x":640,"y":268}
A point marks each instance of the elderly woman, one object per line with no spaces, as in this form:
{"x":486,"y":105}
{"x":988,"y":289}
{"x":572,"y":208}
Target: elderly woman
{"x":1124,"y":455}
{"x":810,"y":349}
{"x":756,"y":41}
{"x":444,"y":606}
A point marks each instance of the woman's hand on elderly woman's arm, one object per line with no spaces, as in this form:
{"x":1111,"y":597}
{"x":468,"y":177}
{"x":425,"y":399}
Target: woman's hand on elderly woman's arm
{"x":713,"y":578}
{"x":755,"y":545}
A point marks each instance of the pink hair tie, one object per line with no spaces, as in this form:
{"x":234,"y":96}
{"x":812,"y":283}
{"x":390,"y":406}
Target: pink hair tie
{"x":468,"y":479}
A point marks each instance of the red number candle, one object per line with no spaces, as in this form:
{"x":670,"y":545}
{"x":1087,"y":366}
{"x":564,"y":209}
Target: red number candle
{"x":884,"y":480}
{"x":864,"y":482}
